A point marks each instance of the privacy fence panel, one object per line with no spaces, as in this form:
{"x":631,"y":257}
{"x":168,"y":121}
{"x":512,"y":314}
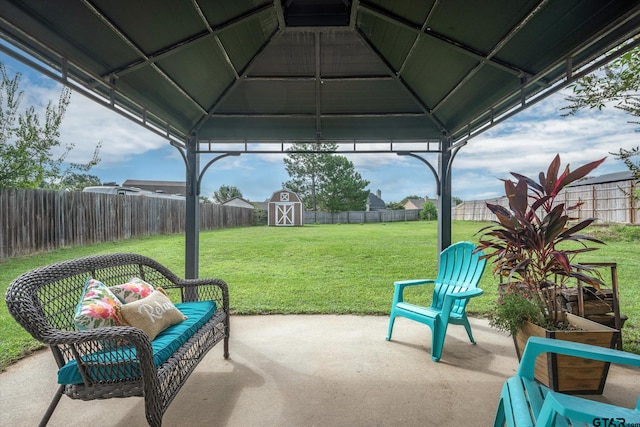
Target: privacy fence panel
{"x":610,"y":203}
{"x":39,"y":220}
{"x":360,"y":217}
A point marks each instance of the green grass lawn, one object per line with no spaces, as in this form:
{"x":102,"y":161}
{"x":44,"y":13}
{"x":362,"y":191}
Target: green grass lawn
{"x":337,"y":269}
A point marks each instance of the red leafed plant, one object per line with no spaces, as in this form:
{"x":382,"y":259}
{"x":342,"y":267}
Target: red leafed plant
{"x":533,"y":245}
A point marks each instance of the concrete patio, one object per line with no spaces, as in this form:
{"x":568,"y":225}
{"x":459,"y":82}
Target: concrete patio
{"x":311,"y":371}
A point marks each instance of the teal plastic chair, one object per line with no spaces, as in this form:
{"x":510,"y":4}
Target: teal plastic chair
{"x":459,"y":272}
{"x":525,"y":402}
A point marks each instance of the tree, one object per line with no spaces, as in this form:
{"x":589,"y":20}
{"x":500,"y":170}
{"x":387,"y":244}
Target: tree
{"x":73,"y":181}
{"x":617,"y":83}
{"x":395,"y":206}
{"x":429,"y":211}
{"x":27,"y":141}
{"x":226,"y":192}
{"x":306,"y":169}
{"x":341,"y":187}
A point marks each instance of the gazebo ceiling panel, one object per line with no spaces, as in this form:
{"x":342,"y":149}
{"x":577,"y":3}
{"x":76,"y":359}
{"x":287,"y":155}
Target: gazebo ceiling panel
{"x":242,"y":43}
{"x":368,"y":96}
{"x":493,"y":81}
{"x":393,"y":42}
{"x":435,"y":69}
{"x":265,"y":96}
{"x":385,"y":128}
{"x":222,"y":13}
{"x":344,"y":54}
{"x":289,"y":55}
{"x":258,"y":128}
{"x":556,"y":29}
{"x":466,"y":22}
{"x":78,"y":32}
{"x":316,"y":69}
{"x":414,"y":11}
{"x":146,"y":29}
{"x":206,"y":83}
{"x":152,"y":90}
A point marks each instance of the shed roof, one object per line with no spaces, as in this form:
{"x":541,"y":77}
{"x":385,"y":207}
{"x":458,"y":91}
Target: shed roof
{"x":336,"y":70}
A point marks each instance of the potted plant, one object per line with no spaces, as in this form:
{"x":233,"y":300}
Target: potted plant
{"x":533,"y":246}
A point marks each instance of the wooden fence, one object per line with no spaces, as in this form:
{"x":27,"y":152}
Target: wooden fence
{"x":359,"y":217}
{"x":39,"y":220}
{"x":610,"y":202}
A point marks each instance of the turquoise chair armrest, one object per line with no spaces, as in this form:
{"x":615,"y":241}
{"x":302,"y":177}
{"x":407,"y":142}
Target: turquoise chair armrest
{"x":450,"y":299}
{"x":537,"y":345}
{"x":398,"y":293}
{"x":466,"y":294}
{"x":579,"y":409}
{"x":405,"y":283}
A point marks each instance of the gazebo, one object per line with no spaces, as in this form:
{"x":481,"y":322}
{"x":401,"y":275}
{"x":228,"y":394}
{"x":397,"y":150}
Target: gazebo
{"x":219,"y":78}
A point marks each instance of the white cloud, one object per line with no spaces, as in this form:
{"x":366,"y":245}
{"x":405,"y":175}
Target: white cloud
{"x":88,"y":123}
{"x":528,"y":142}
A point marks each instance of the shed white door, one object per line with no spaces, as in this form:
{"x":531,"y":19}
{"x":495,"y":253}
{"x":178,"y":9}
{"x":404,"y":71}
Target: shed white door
{"x":284,"y":214}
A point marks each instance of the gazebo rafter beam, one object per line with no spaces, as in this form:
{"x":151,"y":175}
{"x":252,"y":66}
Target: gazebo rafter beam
{"x":491,"y":54}
{"x":425,"y":108}
{"x":234,"y":83}
{"x":454,"y":44}
{"x":188,"y":42}
{"x":120,"y":34}
{"x":318,"y":83}
{"x":550,"y":88}
{"x":416,"y":41}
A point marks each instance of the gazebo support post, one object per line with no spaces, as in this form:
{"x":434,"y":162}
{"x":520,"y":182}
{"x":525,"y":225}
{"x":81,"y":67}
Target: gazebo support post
{"x":192,"y":219}
{"x":444,"y":197}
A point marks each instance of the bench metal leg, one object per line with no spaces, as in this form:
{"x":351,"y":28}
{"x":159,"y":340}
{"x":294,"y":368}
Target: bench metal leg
{"x":52,"y":406}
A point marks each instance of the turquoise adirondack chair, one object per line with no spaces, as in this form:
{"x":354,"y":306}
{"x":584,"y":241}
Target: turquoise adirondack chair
{"x":459,"y":272}
{"x":524,"y":402}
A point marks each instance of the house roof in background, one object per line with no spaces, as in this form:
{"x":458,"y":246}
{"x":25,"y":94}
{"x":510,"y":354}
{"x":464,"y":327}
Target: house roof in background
{"x":375,"y":203}
{"x":248,"y":71}
{"x":239,"y":201}
{"x":169,"y":187}
{"x":417,"y":202}
{"x":602,"y":179}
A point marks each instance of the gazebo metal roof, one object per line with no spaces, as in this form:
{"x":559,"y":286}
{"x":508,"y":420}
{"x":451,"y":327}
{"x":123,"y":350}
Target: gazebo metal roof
{"x":218,"y":76}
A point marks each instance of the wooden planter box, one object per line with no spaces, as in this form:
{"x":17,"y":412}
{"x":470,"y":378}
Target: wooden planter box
{"x":569,"y":374}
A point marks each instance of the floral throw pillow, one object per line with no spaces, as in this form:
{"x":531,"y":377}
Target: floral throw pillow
{"x":97,"y":307}
{"x":133,"y":290}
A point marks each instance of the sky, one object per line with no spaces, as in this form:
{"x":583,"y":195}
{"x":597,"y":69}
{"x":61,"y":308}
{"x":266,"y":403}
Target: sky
{"x":525,"y":143}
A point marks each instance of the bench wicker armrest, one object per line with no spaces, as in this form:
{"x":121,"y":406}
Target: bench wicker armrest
{"x":136,"y":337}
{"x":204,"y":290}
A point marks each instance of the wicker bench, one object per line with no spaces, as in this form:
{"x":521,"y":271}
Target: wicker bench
{"x":117,"y":361}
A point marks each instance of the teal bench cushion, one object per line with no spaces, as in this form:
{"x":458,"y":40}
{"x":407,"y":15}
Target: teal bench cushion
{"x":164,"y":345}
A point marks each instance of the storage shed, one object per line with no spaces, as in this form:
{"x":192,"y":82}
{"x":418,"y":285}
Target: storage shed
{"x":285,"y":209}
